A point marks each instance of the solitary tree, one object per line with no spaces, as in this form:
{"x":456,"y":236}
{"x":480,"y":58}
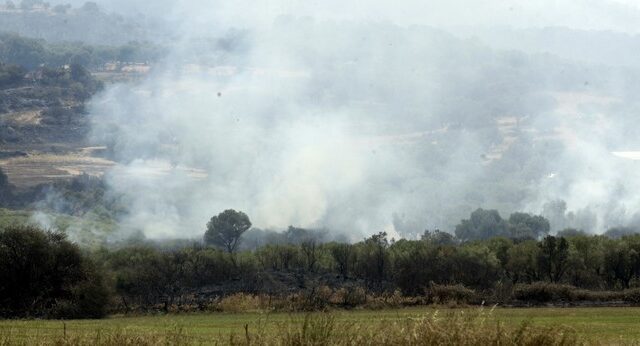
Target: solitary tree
{"x":226,"y":229}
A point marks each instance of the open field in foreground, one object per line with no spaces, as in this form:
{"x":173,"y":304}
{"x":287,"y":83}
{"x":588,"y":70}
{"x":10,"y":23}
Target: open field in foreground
{"x":551,"y":326}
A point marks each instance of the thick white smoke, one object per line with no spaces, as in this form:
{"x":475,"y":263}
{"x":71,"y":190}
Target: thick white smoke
{"x":356,"y":120}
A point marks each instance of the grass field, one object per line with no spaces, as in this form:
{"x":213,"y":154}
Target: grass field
{"x":591,"y":325}
{"x":88,"y":231}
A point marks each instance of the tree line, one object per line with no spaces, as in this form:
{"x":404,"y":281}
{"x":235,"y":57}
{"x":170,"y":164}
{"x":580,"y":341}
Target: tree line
{"x":42,"y":274}
{"x":32,"y":53}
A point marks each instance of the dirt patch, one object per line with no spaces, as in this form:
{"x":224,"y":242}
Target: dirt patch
{"x":34,"y":169}
{"x":31,"y":117}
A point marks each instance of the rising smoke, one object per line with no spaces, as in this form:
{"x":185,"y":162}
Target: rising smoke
{"x":372,"y":117}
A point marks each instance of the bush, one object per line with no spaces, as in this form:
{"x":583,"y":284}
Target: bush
{"x":446,"y":294}
{"x":240,"y":302}
{"x":542,"y":292}
{"x":44,"y":275}
{"x":314,"y":299}
{"x":631,"y":295}
{"x":350,"y":296}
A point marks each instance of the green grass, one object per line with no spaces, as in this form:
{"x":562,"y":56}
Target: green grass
{"x":89,"y":231}
{"x":13,"y":217}
{"x":599,"y":325}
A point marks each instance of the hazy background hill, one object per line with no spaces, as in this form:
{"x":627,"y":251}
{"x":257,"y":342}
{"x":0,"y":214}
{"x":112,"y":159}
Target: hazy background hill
{"x":87,"y":23}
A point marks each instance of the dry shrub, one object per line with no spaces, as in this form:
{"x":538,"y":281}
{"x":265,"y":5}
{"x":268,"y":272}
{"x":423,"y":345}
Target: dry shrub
{"x":314,"y":299}
{"x":387,"y":300}
{"x":349,"y":297}
{"x":450,"y":294}
{"x":502,"y":292}
{"x":241,"y":302}
{"x":542,"y":292}
{"x":394,"y":299}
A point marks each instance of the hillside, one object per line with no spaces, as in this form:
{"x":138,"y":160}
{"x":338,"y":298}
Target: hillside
{"x":62,"y":23}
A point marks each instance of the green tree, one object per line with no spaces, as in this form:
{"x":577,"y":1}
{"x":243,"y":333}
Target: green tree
{"x":226,"y":229}
{"x":553,"y":257}
{"x":482,"y":224}
{"x":343,"y":256}
{"x":415,"y":265}
{"x":586,"y":258}
{"x":524,"y":225}
{"x":438,"y":237}
{"x":521,"y":264}
{"x":373,"y":259}
{"x":44,"y":275}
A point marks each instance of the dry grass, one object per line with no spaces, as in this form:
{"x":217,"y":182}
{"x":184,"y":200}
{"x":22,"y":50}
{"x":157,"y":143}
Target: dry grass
{"x":462,"y":327}
{"x":98,"y":338}
{"x":452,"y":328}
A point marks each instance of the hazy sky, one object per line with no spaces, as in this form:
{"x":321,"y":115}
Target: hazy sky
{"x":617,"y":15}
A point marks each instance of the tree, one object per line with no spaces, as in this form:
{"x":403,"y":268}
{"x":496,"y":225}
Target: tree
{"x":571,"y":232}
{"x":226,"y":229}
{"x":438,"y":237}
{"x":586,"y":258}
{"x":523,"y":225}
{"x":553,"y":257}
{"x":310,"y":250}
{"x":619,"y":232}
{"x":373,"y":259}
{"x":42,"y":274}
{"x":522,"y":262}
{"x":343,"y":256}
{"x":416,"y":265}
{"x":482,"y":224}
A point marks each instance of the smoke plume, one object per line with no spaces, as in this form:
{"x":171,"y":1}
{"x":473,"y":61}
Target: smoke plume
{"x":376,"y":117}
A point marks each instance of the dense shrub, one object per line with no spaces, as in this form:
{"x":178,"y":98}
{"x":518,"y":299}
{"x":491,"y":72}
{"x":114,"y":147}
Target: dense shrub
{"x":44,"y":275}
{"x":631,"y":295}
{"x":544,"y":292}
